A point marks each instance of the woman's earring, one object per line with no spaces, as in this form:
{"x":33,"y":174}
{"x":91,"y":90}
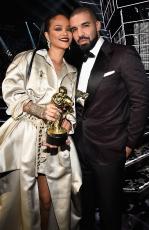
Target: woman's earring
{"x":48,"y":43}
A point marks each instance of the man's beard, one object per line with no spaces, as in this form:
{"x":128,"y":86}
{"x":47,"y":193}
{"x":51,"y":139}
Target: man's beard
{"x":86,"y":47}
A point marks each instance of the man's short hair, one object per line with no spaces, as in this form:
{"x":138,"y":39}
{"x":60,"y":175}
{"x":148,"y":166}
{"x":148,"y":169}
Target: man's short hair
{"x":84,"y":9}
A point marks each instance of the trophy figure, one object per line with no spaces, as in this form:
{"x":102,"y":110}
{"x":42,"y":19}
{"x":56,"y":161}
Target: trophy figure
{"x":56,"y":134}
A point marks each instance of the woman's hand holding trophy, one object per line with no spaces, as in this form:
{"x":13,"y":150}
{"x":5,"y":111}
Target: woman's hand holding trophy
{"x":58,"y":126}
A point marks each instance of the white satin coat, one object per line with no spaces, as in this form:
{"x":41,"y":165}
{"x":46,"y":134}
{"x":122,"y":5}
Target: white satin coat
{"x":22,"y":155}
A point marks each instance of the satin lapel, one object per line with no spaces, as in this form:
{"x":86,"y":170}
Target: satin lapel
{"x":99,"y":68}
{"x":78,"y":74}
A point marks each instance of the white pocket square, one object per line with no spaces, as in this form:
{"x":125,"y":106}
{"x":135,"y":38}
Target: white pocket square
{"x":109,"y":73}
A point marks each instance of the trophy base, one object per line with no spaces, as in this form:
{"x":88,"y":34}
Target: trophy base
{"x":57,"y":139}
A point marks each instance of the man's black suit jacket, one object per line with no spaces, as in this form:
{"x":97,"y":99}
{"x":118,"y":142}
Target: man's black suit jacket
{"x":116,"y":110}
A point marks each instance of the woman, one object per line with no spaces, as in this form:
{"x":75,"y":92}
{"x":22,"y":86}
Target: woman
{"x":29,"y":172}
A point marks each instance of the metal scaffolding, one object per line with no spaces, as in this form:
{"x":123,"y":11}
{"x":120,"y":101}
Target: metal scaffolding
{"x":128,"y":24}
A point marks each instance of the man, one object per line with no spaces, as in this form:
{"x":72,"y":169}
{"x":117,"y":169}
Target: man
{"x":111,"y":115}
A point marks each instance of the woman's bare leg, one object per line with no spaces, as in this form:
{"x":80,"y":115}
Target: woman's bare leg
{"x":45,"y":201}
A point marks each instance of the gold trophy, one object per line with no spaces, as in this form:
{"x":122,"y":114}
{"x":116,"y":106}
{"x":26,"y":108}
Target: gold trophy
{"x":56,"y":134}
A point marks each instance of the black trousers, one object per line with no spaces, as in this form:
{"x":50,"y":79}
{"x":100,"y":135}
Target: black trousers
{"x":102,"y":188}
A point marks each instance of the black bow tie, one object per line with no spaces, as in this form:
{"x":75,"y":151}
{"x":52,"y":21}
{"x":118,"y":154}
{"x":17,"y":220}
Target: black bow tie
{"x":88,"y":55}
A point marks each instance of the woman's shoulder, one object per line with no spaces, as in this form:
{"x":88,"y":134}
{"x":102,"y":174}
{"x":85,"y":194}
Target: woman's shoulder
{"x":20,"y":60}
{"x":22,"y":55}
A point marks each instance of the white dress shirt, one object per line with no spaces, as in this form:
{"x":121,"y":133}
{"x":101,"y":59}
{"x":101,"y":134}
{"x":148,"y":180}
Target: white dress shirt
{"x":88,"y":65}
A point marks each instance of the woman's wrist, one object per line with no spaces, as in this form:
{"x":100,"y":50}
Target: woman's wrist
{"x":34,"y":109}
